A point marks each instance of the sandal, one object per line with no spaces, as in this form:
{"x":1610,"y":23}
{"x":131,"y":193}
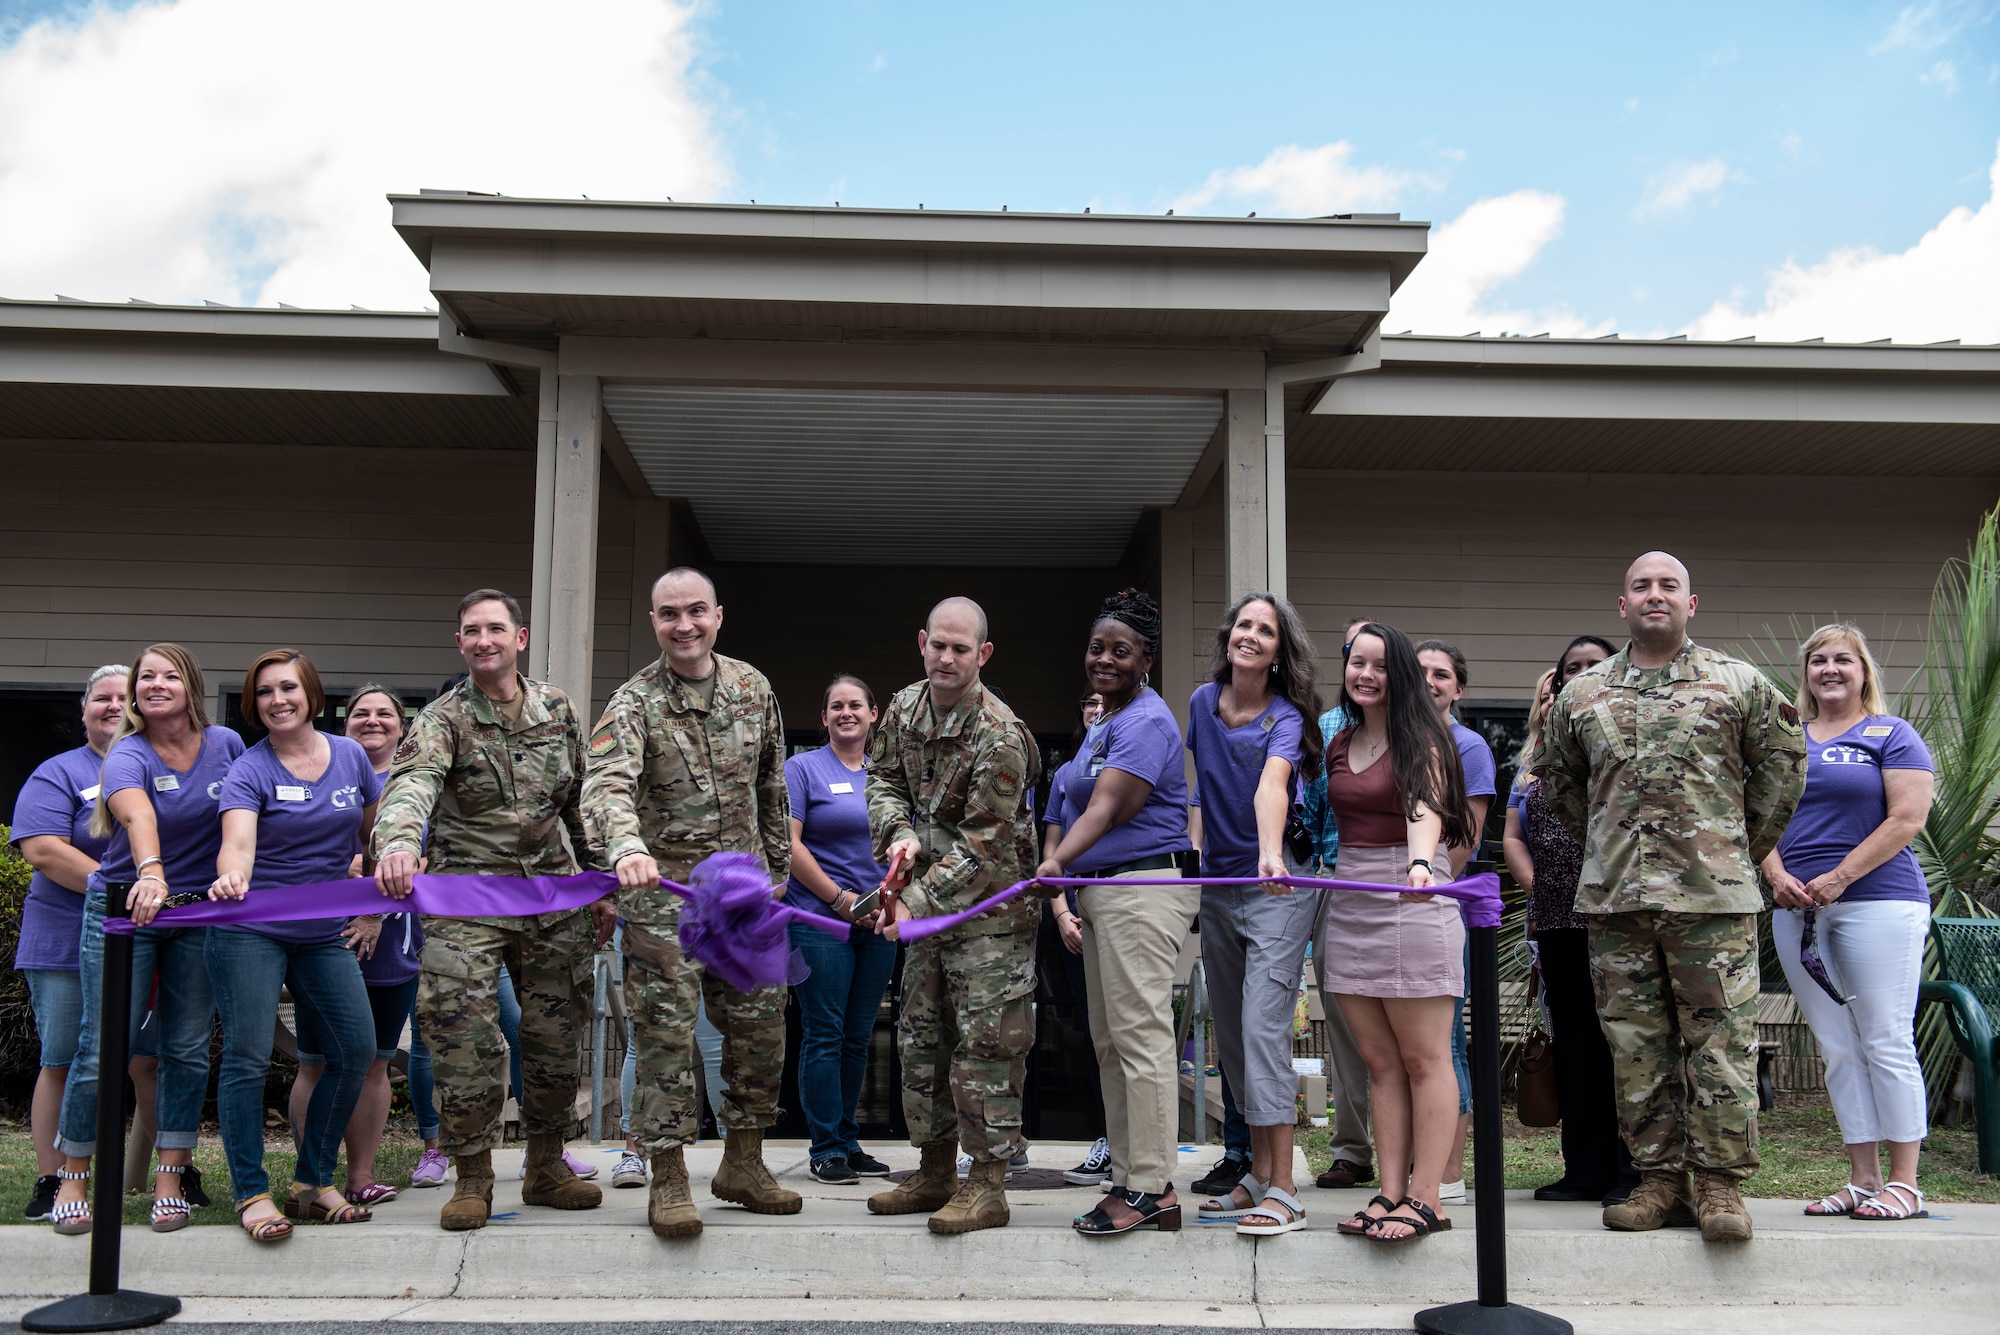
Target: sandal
{"x":1099,"y":1223}
{"x":71,"y":1217}
{"x":1829,"y":1206}
{"x":271,"y":1228}
{"x":191,"y":1187}
{"x":1906,"y":1203}
{"x":316,"y":1210}
{"x":1225,"y":1210}
{"x":1358,"y":1223}
{"x":1291,"y":1220}
{"x":1423,"y":1226}
{"x":375,"y":1193}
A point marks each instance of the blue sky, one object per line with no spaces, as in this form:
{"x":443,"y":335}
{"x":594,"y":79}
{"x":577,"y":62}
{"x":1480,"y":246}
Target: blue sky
{"x":1662,"y":159}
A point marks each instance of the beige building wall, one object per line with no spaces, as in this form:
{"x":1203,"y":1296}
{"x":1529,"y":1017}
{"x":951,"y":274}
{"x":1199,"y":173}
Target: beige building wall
{"x":356,"y":556}
{"x":1510,"y":566}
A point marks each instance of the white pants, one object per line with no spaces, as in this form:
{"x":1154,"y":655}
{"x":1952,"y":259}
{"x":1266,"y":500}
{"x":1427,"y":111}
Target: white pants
{"x":1874,"y":949}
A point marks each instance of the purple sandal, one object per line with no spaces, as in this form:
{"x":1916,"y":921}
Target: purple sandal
{"x":375,"y":1193}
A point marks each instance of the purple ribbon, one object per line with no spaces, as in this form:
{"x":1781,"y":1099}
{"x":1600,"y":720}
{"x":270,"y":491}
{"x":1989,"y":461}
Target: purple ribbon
{"x":731,"y":926}
{"x":1478,"y":895}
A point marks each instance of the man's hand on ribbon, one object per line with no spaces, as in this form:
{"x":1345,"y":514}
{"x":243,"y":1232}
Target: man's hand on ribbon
{"x":1049,"y":868}
{"x":638,"y":871}
{"x":1273,"y":867}
{"x":395,"y":875}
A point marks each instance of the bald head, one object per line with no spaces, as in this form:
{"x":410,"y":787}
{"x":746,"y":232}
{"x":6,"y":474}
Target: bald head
{"x":1656,"y":604}
{"x":957,"y":609}
{"x":1662,"y":560}
{"x":954,"y":647}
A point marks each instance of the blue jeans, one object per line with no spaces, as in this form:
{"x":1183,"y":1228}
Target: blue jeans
{"x":391,"y":1005}
{"x":707,"y":1038}
{"x":1460,"y":1065}
{"x":423,"y":1085}
{"x":837,"y":1008}
{"x":1235,"y":1130}
{"x":176,"y":1031}
{"x":510,"y":1029}
{"x":57,"y":1000}
{"x":248,"y":971}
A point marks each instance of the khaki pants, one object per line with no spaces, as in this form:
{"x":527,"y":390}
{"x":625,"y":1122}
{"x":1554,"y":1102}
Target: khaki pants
{"x":1131,"y":937}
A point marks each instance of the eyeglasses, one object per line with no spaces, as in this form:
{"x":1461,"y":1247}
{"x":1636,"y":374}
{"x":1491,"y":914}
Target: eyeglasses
{"x":1092,"y":703}
{"x":1810,"y":961}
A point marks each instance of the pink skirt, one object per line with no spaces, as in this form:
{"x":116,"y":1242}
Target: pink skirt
{"x":1375,"y":944}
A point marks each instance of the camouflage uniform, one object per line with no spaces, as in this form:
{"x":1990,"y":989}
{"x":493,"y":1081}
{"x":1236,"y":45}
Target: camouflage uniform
{"x":959,"y":786}
{"x":1676,"y":780}
{"x":499,"y":801}
{"x":678,"y":780}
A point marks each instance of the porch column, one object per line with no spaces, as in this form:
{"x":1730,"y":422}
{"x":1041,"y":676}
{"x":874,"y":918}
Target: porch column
{"x":652,"y":525}
{"x":573,"y":558}
{"x":1180,"y":650}
{"x":1246,"y":529}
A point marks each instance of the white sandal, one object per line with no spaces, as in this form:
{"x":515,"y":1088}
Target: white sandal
{"x":1293,"y":1219}
{"x":1892,"y":1207}
{"x":1224,"y":1209}
{"x":1832,"y":1207}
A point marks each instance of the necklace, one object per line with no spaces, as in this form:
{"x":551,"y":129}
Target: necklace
{"x":1374,"y":747}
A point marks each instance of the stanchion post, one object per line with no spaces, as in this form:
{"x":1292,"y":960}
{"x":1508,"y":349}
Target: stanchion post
{"x":1492,"y":1314}
{"x":600,"y":975}
{"x":106,"y":1306}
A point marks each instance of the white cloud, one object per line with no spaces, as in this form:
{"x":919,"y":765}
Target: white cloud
{"x":1929,"y":25}
{"x":1304,"y":182}
{"x":240,"y":150}
{"x":1945,"y":286}
{"x":1677,"y":186}
{"x":1472,"y":255}
{"x":1944,"y":74}
{"x":1793,"y":145}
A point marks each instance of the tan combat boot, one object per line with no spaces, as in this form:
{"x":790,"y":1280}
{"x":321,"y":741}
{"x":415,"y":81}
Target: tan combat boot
{"x":1718,"y":1200}
{"x":669,"y":1203}
{"x":743,"y":1178}
{"x":981,"y":1201}
{"x":547,"y":1180}
{"x":926,"y":1189}
{"x":472,"y":1197}
{"x":1661,"y":1200}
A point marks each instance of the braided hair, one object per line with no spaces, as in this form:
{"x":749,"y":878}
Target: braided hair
{"x":1135,"y":608}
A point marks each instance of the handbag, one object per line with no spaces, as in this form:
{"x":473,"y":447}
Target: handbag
{"x":1535,"y":1099}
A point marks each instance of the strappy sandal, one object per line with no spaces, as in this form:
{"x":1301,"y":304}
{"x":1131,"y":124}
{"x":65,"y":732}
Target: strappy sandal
{"x":271,"y":1228}
{"x":1357,"y":1225}
{"x":1892,"y":1208}
{"x":71,"y":1218}
{"x":308,"y":1205}
{"x":1425,"y":1224}
{"x":1294,"y":1217}
{"x":375,"y":1193}
{"x":171,"y":1213}
{"x":1151,"y":1214}
{"x":1829,"y":1207}
{"x":1225,"y":1210}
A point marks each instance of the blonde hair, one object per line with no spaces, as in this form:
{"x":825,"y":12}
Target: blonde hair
{"x":1538,"y":718}
{"x":131,"y":723}
{"x":1871,"y":676}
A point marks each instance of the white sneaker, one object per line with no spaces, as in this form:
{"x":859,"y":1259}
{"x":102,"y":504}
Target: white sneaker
{"x":1452,"y":1193}
{"x":1095,"y":1168}
{"x":965,"y":1165}
{"x":630,"y":1172}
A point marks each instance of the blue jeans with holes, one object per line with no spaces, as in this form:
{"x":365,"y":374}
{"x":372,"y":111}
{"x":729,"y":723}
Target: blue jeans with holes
{"x":249,"y":970}
{"x":838,"y":1003}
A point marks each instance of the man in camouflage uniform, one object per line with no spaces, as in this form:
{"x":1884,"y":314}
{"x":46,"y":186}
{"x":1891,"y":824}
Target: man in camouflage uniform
{"x":689,"y":760}
{"x":493,"y":767}
{"x":947,"y":799}
{"x":1677,"y":768}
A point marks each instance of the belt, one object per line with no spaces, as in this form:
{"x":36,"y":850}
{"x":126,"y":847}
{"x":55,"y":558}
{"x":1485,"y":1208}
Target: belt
{"x":1158,"y":862}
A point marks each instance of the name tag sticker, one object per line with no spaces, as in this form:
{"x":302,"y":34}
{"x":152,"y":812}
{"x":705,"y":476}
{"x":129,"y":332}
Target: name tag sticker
{"x":90,"y":794}
{"x":840,"y":788}
{"x":291,"y":792}
{"x":1877,"y":730}
{"x":166,"y":783}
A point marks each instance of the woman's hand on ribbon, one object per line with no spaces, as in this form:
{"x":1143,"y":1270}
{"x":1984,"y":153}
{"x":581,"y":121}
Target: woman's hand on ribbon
{"x":361,"y":934}
{"x":395,"y":874}
{"x":1049,"y":870}
{"x":1419,"y":879}
{"x":887,"y":926}
{"x":230,"y":885}
{"x":143,"y":900}
{"x":638,"y":871}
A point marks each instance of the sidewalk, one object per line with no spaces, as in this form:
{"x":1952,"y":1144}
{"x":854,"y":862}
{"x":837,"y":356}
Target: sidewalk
{"x":606,"y":1265}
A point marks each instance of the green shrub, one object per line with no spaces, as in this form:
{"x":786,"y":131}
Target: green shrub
{"x":20,"y":1049}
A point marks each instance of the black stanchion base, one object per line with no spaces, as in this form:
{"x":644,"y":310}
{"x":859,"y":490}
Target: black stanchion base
{"x":1473,"y":1319}
{"x":127,"y":1309}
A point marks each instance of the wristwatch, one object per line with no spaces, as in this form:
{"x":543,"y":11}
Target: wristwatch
{"x":1419,"y":862}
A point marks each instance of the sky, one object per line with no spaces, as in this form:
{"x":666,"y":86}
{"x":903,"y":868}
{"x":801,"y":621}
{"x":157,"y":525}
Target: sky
{"x":1777,"y":170}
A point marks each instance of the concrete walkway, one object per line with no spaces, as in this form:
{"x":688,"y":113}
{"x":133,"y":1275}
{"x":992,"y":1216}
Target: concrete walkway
{"x":835,"y":1259}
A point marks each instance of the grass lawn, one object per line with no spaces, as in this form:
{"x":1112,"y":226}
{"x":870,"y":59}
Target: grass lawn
{"x":1801,"y":1148}
{"x":398,"y":1156}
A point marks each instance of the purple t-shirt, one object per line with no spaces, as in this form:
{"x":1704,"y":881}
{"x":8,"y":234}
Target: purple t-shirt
{"x":1228,"y":765}
{"x":1475,"y":757}
{"x":184,"y":808}
{"x":399,"y":951}
{"x":57,"y":799}
{"x":1054,"y":815}
{"x":1845,"y":802}
{"x":1142,"y":740}
{"x":830,"y":802}
{"x":306,"y":832}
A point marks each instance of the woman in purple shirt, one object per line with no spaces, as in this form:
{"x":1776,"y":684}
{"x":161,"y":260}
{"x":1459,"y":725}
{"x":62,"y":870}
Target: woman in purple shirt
{"x":295,"y":809}
{"x":157,"y":807}
{"x":1845,"y":871}
{"x":1125,"y":814}
{"x":52,"y":830}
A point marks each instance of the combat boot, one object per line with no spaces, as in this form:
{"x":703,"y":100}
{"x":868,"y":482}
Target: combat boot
{"x":1718,"y":1200}
{"x":547,"y":1180}
{"x":926,"y":1189}
{"x":472,"y":1197}
{"x":669,"y":1203}
{"x":742,"y":1177}
{"x":1661,"y":1200}
{"x":981,"y":1201}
